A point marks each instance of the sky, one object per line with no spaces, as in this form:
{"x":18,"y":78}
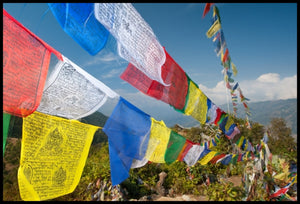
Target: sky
{"x":261,"y":39}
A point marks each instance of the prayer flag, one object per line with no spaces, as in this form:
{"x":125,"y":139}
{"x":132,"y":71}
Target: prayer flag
{"x":53,"y":155}
{"x":225,"y":57}
{"x":206,"y":9}
{"x":216,"y":26}
{"x":193,"y":154}
{"x":226,"y":159}
{"x":60,"y":99}
{"x":216,"y":13}
{"x":187,"y":146}
{"x":235,"y":132}
{"x":137,"y":42}
{"x":234,"y":70}
{"x":175,"y":145}
{"x":160,"y":132}
{"x":196,"y":103}
{"x":172,"y":73}
{"x":217,"y":157}
{"x":128,"y":131}
{"x":207,"y":158}
{"x":25,"y":65}
{"x":79,"y":22}
{"x":6,"y":121}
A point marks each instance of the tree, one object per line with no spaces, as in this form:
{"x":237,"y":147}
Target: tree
{"x":280,"y":140}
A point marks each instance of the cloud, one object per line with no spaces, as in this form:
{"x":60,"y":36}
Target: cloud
{"x":266,"y":87}
{"x":112,"y":73}
{"x":105,"y":58}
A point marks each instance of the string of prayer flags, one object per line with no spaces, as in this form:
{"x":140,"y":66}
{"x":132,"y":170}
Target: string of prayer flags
{"x":175,"y":145}
{"x":53,"y":155}
{"x":206,"y":9}
{"x":137,"y":42}
{"x":160,"y":132}
{"x":60,"y":99}
{"x":6,"y":122}
{"x":25,"y":65}
{"x":172,"y":73}
{"x":79,"y":22}
{"x":128,"y":131}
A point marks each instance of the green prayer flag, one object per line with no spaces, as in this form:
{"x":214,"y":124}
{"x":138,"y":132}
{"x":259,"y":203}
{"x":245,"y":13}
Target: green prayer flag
{"x":175,"y":145}
{"x":6,"y":120}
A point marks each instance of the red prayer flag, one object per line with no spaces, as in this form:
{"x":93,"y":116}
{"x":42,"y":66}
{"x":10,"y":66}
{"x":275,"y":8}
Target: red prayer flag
{"x":207,"y":8}
{"x":172,"y":74}
{"x":217,"y":157}
{"x":25,"y":65}
{"x":225,"y":57}
{"x":185,"y":149}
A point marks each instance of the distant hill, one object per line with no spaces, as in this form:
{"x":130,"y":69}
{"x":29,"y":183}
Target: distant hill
{"x":262,"y":112}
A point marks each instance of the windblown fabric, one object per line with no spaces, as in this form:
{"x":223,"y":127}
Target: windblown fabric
{"x":53,"y":155}
{"x":79,"y":22}
{"x":6,"y":121}
{"x":160,"y":132}
{"x":193,"y":154}
{"x":216,"y":26}
{"x":217,"y":158}
{"x":207,"y":158}
{"x":206,"y":9}
{"x":25,"y":65}
{"x":172,"y":73}
{"x":137,"y":42}
{"x":128,"y":131}
{"x":185,"y":149}
{"x":175,"y":145}
{"x":72,"y":93}
{"x":196,"y":103}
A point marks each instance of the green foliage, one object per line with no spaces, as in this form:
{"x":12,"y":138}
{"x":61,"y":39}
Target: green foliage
{"x":280,"y":140}
{"x":11,"y":162}
{"x":225,"y":192}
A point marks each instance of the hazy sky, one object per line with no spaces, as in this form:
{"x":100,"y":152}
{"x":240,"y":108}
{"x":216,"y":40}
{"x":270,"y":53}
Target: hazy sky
{"x":261,"y":39}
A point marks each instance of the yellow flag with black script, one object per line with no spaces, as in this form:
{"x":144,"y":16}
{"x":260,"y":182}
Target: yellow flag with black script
{"x":53,"y":155}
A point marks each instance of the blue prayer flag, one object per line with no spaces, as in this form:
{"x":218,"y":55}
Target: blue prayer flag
{"x":128,"y":131}
{"x":78,"y":21}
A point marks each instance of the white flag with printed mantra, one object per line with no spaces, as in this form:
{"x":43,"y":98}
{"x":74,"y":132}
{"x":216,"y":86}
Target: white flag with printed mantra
{"x":137,"y":42}
{"x":72,"y":93}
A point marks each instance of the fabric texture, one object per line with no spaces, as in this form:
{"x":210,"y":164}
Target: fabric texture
{"x":60,"y":99}
{"x":172,"y":74}
{"x":53,"y":155}
{"x":175,"y":145}
{"x":79,"y":22}
{"x":128,"y":131}
{"x":6,"y":122}
{"x":196,"y":103}
{"x":159,"y":131}
{"x":137,"y":42}
{"x":25,"y":65}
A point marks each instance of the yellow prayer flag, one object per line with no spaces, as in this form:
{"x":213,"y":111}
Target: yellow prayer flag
{"x":234,"y":70}
{"x":229,"y":122}
{"x":207,"y":157}
{"x":214,"y":29}
{"x":222,"y":55}
{"x":196,"y":104}
{"x":53,"y":155}
{"x":159,"y":132}
{"x":241,"y":141}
